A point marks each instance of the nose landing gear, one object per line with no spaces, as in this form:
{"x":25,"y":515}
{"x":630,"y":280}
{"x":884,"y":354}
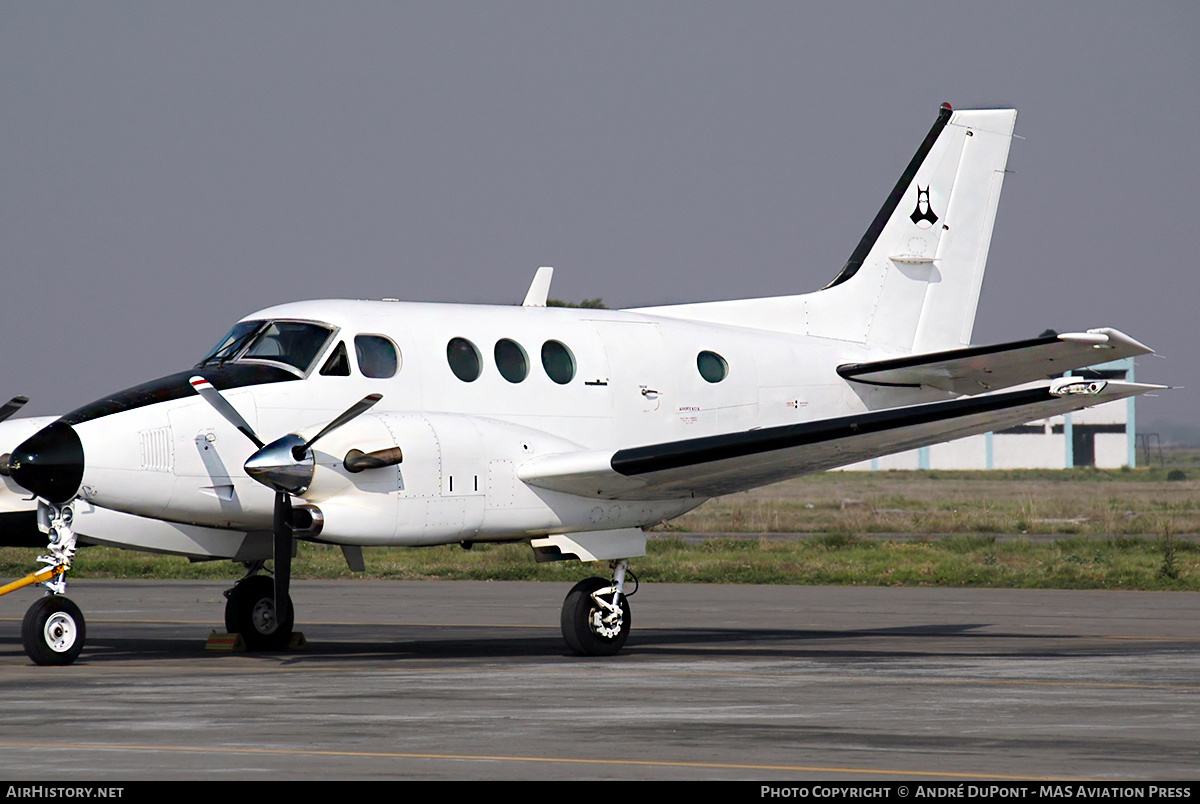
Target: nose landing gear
{"x":53,"y":631}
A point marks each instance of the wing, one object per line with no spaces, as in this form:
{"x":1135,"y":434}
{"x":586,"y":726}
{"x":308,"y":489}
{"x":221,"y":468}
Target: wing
{"x":978,"y":369}
{"x":723,"y":464}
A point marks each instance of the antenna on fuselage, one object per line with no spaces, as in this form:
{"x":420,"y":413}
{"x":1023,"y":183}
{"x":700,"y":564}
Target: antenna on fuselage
{"x":539,"y":289}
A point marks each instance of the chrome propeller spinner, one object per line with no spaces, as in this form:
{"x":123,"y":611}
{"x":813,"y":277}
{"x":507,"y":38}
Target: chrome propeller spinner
{"x":285,"y":464}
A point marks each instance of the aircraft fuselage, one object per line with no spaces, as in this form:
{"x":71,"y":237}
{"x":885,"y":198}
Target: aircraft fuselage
{"x":159,"y":451}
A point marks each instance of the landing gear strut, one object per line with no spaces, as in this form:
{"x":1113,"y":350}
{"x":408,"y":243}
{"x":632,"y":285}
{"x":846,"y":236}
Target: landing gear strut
{"x":53,"y":631}
{"x":596,"y":615}
{"x":250,"y":611}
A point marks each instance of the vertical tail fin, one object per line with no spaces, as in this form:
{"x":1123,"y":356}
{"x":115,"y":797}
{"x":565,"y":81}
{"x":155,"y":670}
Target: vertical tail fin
{"x":919,"y":267}
{"x":887,"y":211}
{"x":912,"y":284}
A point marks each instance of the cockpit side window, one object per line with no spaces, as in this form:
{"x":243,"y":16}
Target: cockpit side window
{"x":338,"y":364}
{"x":233,"y":342}
{"x":293,"y":343}
{"x":377,"y":356}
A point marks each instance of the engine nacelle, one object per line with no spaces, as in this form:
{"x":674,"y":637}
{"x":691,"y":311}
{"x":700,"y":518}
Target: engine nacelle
{"x":457,"y":482}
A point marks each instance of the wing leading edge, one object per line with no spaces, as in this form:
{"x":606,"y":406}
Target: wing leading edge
{"x":723,"y":464}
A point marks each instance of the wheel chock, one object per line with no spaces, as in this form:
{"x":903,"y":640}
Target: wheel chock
{"x":230,"y":643}
{"x":233,"y":643}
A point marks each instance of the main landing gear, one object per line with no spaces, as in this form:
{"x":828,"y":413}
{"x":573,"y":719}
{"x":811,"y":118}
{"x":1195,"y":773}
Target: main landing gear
{"x":596,"y":615}
{"x":250,"y":610}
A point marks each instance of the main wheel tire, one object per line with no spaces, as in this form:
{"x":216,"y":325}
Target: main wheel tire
{"x":53,"y":631}
{"x":250,"y":611}
{"x":586,"y":634}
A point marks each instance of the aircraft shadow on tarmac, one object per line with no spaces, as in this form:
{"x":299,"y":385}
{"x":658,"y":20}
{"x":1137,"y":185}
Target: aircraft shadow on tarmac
{"x":446,"y":642}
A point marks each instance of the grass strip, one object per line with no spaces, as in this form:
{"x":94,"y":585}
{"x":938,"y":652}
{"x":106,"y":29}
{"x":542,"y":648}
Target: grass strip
{"x":1073,"y":562}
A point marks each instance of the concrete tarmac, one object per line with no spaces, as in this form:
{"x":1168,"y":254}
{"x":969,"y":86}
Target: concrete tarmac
{"x":465,"y":680}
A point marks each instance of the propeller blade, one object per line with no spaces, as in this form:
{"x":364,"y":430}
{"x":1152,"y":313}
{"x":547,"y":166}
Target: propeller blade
{"x":12,"y":406}
{"x":286,"y":464}
{"x":213,"y":397}
{"x":283,"y":550}
{"x":354,"y":411}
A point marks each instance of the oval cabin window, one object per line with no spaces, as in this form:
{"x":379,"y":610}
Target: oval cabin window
{"x":558,"y":362}
{"x":464,"y":359}
{"x":712,"y":366}
{"x":511,"y":360}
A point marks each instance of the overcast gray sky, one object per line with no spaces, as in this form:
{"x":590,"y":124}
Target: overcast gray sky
{"x":167,"y":168}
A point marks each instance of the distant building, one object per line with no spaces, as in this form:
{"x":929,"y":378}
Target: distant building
{"x":1103,"y":436}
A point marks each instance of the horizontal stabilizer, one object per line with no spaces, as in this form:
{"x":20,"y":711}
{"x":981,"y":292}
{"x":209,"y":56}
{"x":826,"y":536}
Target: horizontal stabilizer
{"x":723,"y":464}
{"x":978,"y":369}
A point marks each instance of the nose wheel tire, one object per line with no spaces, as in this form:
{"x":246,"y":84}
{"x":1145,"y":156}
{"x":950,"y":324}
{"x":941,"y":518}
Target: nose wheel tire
{"x":250,"y":611}
{"x":589,"y":628}
{"x":53,"y":631}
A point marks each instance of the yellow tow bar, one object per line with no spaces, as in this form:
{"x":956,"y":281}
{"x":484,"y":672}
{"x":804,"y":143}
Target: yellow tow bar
{"x":41,"y":576}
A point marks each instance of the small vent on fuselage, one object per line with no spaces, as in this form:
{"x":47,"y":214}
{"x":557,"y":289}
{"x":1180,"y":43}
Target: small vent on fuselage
{"x":156,"y":449}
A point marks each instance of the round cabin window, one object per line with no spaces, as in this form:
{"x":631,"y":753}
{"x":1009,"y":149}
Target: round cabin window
{"x":712,"y":366}
{"x":558,"y":362}
{"x":464,"y":359}
{"x":511,"y":360}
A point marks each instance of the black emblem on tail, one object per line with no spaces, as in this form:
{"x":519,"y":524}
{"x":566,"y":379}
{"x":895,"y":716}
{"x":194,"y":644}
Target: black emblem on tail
{"x":923,"y":215}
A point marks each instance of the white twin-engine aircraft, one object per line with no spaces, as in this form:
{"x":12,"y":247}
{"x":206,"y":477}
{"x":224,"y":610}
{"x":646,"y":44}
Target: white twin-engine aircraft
{"x":361,"y":423}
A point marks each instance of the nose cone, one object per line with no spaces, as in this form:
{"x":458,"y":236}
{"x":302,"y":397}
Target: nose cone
{"x":50,"y":463}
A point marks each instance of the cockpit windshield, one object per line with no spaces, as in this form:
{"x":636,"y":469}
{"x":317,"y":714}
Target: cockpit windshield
{"x":293,"y":343}
{"x":233,"y":342}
